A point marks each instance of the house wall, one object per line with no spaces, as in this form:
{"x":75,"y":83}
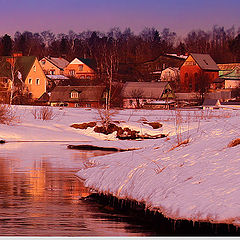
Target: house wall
{"x":132,"y":102}
{"x":232,"y":83}
{"x":169,"y":74}
{"x":81,"y":71}
{"x":77,"y":104}
{"x":189,"y":75}
{"x":48,"y":66}
{"x":36,"y":89}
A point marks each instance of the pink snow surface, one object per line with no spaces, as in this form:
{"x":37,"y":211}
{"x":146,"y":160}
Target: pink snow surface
{"x":198,"y":181}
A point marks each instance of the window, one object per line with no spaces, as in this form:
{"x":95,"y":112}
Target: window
{"x":130,"y":102}
{"x":76,"y":104}
{"x":34,"y":68}
{"x":72,"y":72}
{"x":52,"y":72}
{"x":190,"y":85}
{"x":82,"y":77}
{"x":37,"y":81}
{"x":43,"y":62}
{"x":30,"y":81}
{"x":74,"y":94}
{"x":80,"y":67}
{"x":88,"y":105}
{"x":88,"y":77}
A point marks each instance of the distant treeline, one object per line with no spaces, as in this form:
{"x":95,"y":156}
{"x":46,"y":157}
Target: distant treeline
{"x":222,"y":44}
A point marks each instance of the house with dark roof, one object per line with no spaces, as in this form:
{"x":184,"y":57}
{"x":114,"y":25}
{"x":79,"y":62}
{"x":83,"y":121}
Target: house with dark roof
{"x":53,"y":66}
{"x":78,"y":96}
{"x":211,"y":103}
{"x":27,"y":73}
{"x":197,"y":71}
{"x":137,"y":94}
{"x":81,"y":68}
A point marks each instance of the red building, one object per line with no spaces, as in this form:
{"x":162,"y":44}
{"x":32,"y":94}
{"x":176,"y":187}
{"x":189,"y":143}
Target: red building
{"x":197,"y":72}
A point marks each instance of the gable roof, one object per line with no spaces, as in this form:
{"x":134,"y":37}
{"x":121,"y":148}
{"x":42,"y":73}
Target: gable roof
{"x":228,"y":66}
{"x":23,"y":64}
{"x":86,"y":93}
{"x":58,"y":62}
{"x":147,"y":89}
{"x":89,"y":62}
{"x":205,"y":61}
{"x":211,"y":102}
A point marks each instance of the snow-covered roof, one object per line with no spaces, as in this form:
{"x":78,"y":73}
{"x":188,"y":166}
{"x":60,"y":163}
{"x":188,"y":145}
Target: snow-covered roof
{"x":205,"y":61}
{"x":58,"y":62}
{"x":57,"y":77}
{"x":145,"y":89}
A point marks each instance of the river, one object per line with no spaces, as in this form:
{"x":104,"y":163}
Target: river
{"x":40,"y":195}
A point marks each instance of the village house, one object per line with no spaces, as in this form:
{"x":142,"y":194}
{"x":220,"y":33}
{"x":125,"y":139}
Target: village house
{"x":78,"y":96}
{"x":27,"y":73}
{"x":81,"y":68}
{"x":151,"y":70}
{"x":229,"y":75}
{"x":53,"y":66}
{"x":138,"y":94}
{"x":197,"y":72}
{"x":170,"y":74}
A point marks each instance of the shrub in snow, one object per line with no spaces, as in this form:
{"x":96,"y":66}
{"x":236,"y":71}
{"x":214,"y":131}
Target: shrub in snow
{"x":44,"y":113}
{"x":7,"y":115}
{"x":234,"y":143}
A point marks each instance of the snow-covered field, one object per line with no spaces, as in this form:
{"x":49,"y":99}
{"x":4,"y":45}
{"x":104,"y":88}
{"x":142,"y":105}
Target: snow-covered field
{"x":199,"y":180}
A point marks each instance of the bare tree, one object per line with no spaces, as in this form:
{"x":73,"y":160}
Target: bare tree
{"x":137,"y":94}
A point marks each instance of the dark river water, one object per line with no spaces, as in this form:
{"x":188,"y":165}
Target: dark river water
{"x":40,"y":195}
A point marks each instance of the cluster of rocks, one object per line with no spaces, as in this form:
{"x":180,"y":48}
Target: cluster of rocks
{"x":121,"y":133}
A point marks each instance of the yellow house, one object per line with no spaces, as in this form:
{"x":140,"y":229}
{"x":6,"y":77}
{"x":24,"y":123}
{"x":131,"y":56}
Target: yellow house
{"x":27,"y":71}
{"x":53,"y":66}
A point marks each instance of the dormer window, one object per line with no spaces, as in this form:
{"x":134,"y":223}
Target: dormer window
{"x":74,"y":94}
{"x":205,"y":62}
{"x":52,"y":72}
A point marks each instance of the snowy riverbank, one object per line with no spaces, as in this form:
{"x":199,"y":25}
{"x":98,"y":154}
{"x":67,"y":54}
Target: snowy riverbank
{"x":198,"y":181}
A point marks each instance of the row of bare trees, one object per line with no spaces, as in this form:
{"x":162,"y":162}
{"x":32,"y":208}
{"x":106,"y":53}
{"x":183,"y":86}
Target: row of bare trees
{"x":222,"y":44}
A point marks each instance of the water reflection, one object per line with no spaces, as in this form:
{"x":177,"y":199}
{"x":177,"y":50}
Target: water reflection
{"x":40,"y":194}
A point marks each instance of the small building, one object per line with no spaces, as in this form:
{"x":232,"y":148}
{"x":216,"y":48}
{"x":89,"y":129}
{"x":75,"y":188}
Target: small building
{"x":81,"y":68}
{"x":211,"y":103}
{"x":137,"y":94}
{"x":170,"y":74}
{"x":198,"y":71}
{"x":230,"y":75}
{"x":53,"y":66}
{"x":78,"y":96}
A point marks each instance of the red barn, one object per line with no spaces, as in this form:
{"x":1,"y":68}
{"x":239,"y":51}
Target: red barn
{"x":198,"y":71}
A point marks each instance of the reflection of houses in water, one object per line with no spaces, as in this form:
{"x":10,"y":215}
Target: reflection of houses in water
{"x":46,"y":181}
